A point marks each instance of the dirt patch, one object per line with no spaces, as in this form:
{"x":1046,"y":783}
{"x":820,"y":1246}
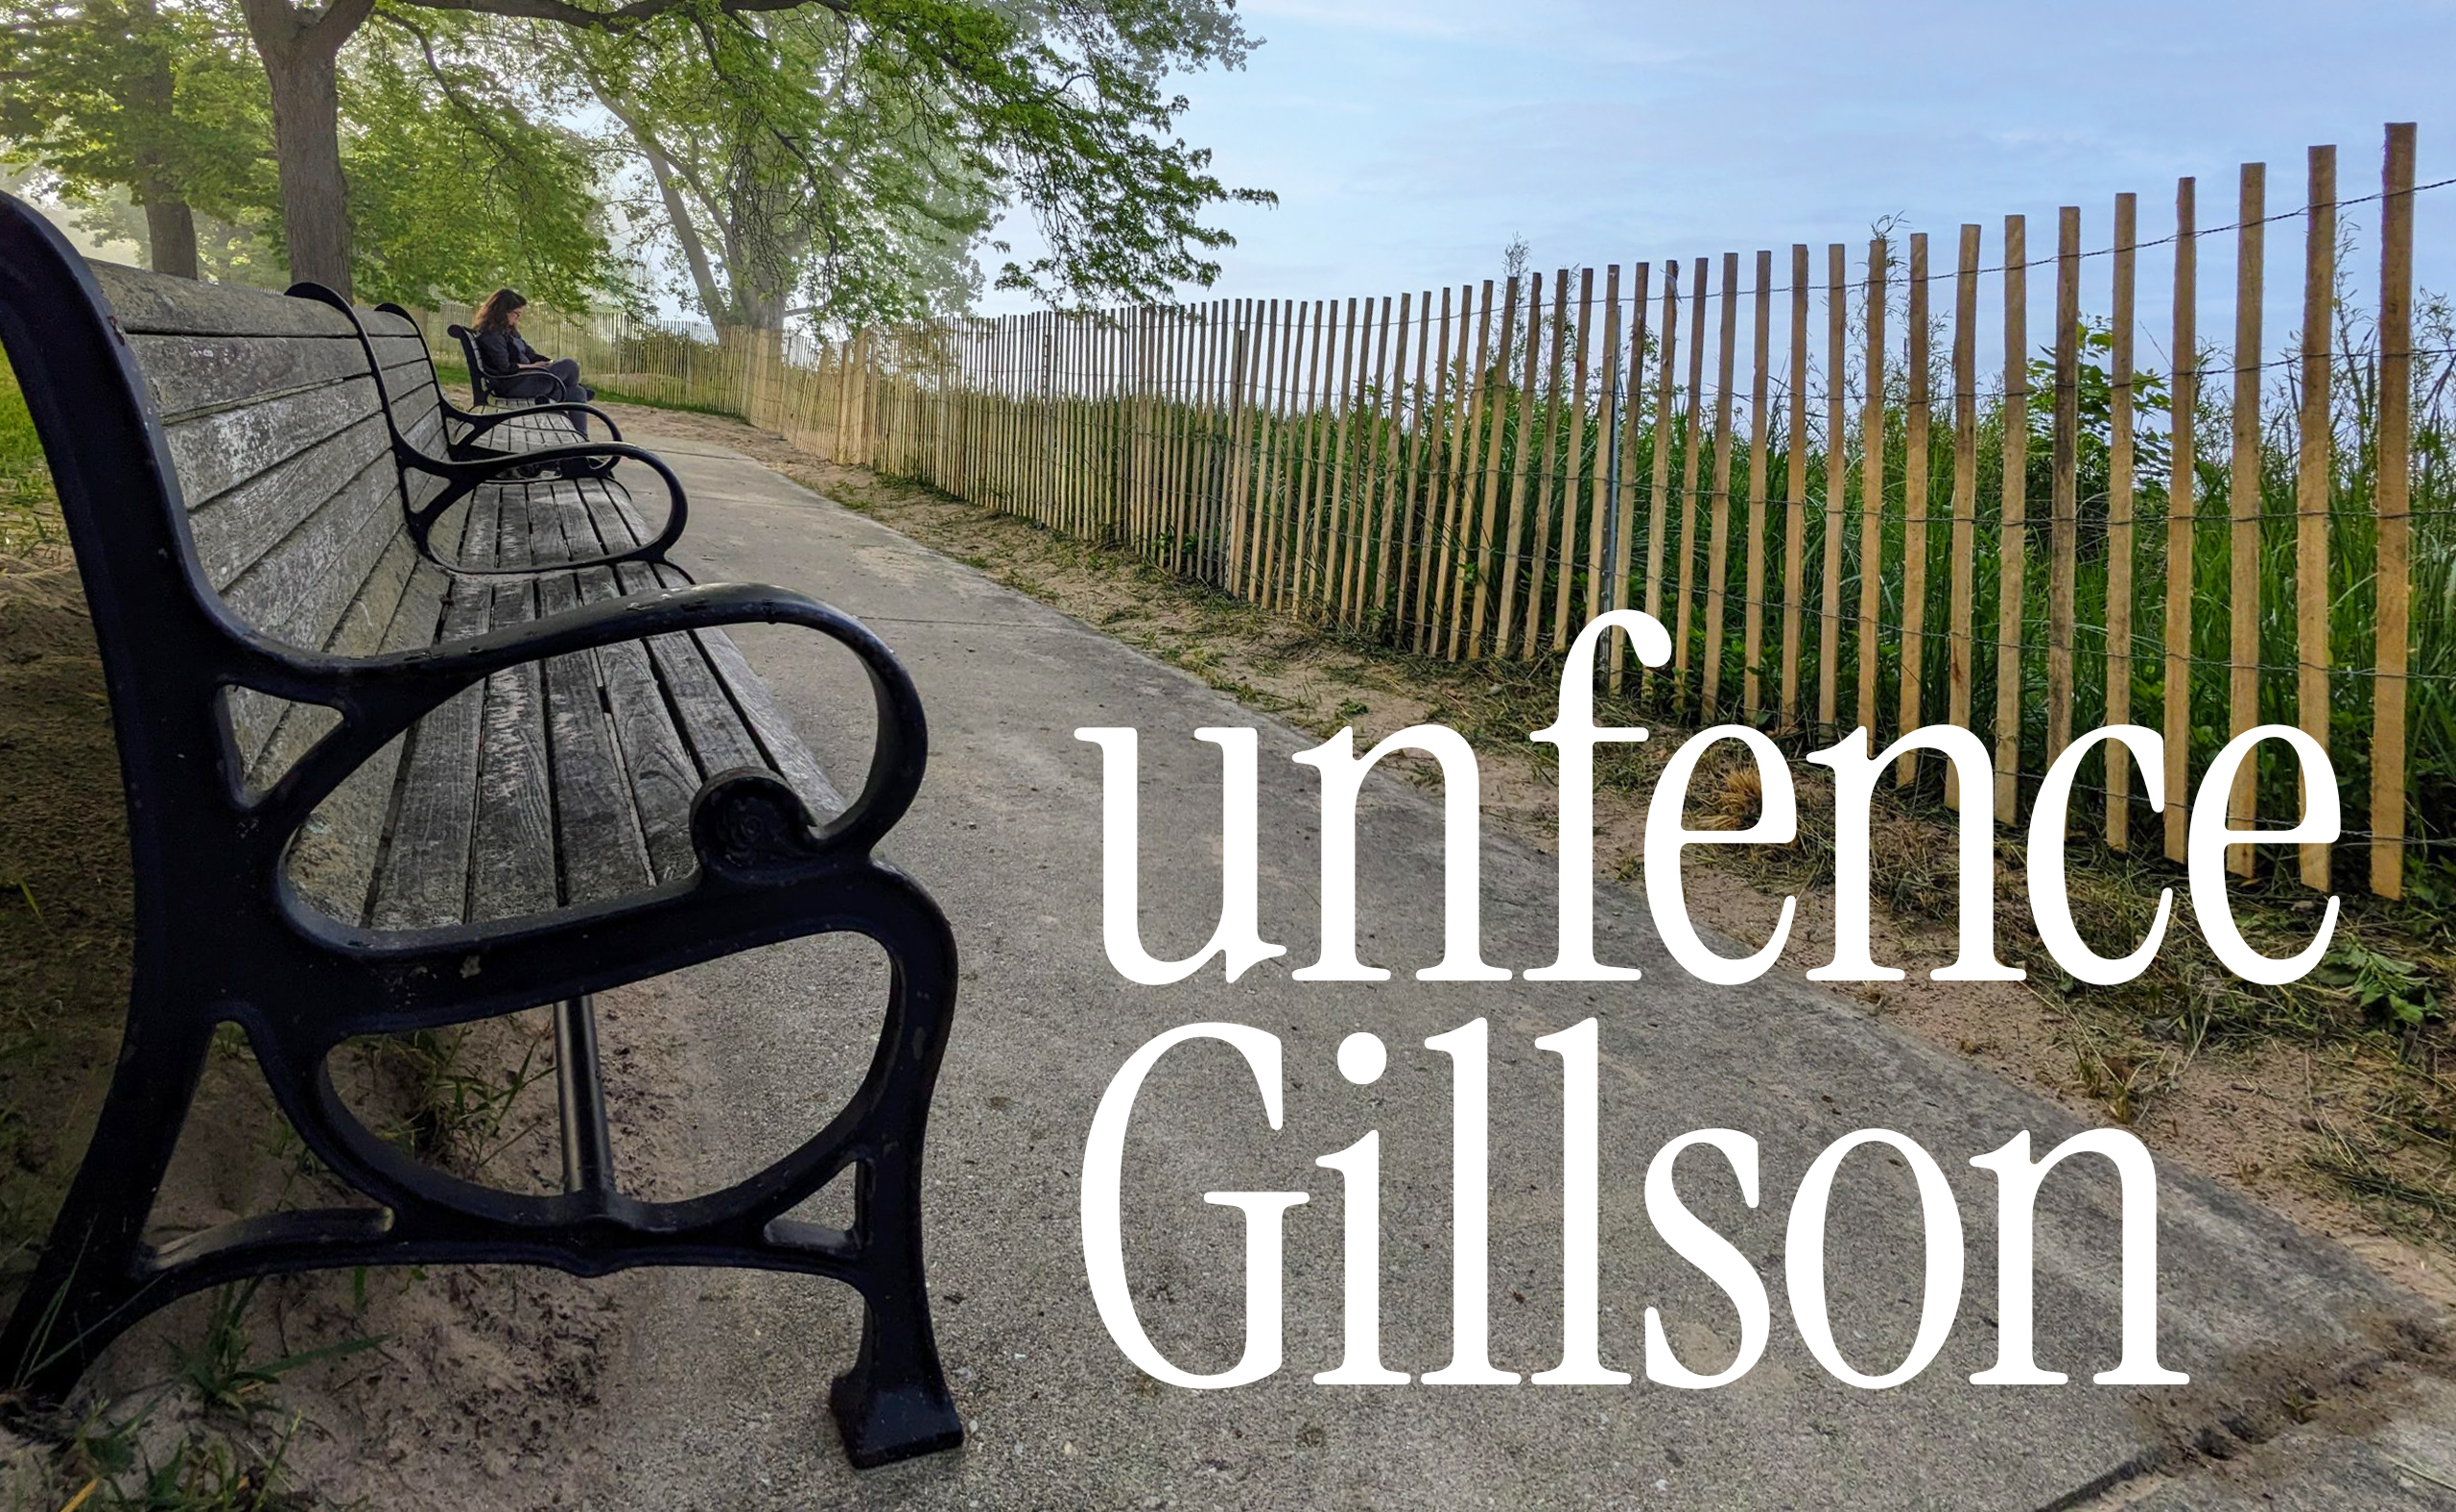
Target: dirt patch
{"x":408,"y":1389}
{"x":64,"y":897}
{"x":2345,"y":1130}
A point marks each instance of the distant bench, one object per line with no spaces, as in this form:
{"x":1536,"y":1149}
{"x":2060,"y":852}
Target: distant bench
{"x":413,"y":737}
{"x":481,"y":393}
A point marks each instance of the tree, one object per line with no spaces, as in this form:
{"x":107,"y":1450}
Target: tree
{"x":456,"y":184}
{"x":461,"y":184}
{"x":783,"y":170}
{"x":1058,"y":107}
{"x":162,"y":101}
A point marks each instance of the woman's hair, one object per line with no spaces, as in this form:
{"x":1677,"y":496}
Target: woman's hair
{"x":496,"y":313}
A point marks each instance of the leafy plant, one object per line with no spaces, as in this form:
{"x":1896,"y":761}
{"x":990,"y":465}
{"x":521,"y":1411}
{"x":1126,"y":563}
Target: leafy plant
{"x":2393,"y":993}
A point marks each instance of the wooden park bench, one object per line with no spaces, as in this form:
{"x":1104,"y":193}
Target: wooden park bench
{"x":393,"y":764}
{"x":498,"y":422}
{"x":483,"y":395}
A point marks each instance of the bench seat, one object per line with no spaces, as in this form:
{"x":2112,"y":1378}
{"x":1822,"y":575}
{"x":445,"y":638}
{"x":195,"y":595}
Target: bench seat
{"x":579,"y":773}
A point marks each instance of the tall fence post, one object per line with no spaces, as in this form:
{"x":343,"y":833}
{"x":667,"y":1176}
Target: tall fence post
{"x":2392,"y":506}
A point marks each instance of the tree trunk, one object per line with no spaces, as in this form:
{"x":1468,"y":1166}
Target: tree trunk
{"x":298,"y":57}
{"x":765,"y":310}
{"x":677,"y":215}
{"x":307,"y":147}
{"x":170,"y":236}
{"x":170,"y":225}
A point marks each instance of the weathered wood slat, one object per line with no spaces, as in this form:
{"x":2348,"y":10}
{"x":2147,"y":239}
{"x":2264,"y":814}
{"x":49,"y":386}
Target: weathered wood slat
{"x":296,"y":591}
{"x":513,"y":872}
{"x":360,"y":632}
{"x":217,"y":452}
{"x":259,"y":520}
{"x":192,"y":374}
{"x":424,"y":879}
{"x":333,"y":860}
{"x":150,"y":303}
{"x":782,"y":748}
{"x":602,"y":853}
{"x":655,"y":757}
{"x":716,"y":695}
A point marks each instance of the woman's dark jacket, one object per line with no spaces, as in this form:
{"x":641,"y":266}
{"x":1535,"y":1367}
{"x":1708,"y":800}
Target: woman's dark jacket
{"x":502,"y":352}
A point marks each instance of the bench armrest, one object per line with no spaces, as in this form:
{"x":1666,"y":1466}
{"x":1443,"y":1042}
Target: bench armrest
{"x":462,"y":477}
{"x":379,"y":697}
{"x":483,"y":421}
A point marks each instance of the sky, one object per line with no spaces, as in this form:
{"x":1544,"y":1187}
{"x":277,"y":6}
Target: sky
{"x":1409,"y":140}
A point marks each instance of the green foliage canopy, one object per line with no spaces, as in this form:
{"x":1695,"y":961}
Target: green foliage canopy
{"x":163,"y":101}
{"x":456,"y":182}
{"x":850,"y":154}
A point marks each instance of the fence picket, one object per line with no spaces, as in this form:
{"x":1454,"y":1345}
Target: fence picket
{"x":1431,"y":586}
{"x":2182,"y":525}
{"x":1539,"y":550}
{"x":1961,"y":674}
{"x":2120,"y":509}
{"x":1718,"y":531}
{"x":1460,"y":533}
{"x":1829,"y":646}
{"x":2063,"y":557}
{"x":1872,"y":490}
{"x":1795,"y":505}
{"x":1601,"y":498}
{"x":1572,"y":470}
{"x":2243,"y":506}
{"x":1625,"y":497}
{"x":2012,"y":544}
{"x":1659,"y":483}
{"x":1914,"y":509}
{"x":1691,"y":501}
{"x":1506,"y":566}
{"x":2392,"y":506}
{"x":1489,"y":550}
{"x":2311,"y":483}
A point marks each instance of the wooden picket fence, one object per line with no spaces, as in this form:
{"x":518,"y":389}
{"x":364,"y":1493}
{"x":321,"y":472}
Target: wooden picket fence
{"x":1886,"y":537}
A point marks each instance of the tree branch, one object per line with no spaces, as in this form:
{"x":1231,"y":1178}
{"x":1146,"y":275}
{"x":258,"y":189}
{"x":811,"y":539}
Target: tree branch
{"x":632,"y":15}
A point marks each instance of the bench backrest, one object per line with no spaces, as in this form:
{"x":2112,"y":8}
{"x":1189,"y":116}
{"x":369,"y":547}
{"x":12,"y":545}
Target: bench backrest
{"x":284,"y":472}
{"x":481,"y":393}
{"x":227,"y":481}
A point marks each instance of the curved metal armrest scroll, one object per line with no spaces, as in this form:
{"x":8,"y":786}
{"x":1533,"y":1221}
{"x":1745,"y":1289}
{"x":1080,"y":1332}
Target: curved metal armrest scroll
{"x":379,"y":697}
{"x":465,"y":476}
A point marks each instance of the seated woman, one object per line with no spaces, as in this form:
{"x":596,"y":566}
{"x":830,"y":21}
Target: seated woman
{"x":513,"y":368}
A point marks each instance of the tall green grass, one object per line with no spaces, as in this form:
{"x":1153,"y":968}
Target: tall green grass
{"x":28,"y":516}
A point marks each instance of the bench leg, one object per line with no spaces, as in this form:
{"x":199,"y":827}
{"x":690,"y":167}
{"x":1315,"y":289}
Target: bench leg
{"x":893,"y":1404}
{"x":580,"y":1087}
{"x":90,"y":1284}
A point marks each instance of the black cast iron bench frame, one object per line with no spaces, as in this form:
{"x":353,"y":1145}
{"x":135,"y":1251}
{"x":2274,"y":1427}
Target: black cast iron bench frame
{"x":482,"y":390}
{"x":469,"y":464}
{"x":475,"y":423}
{"x":222,"y":936}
